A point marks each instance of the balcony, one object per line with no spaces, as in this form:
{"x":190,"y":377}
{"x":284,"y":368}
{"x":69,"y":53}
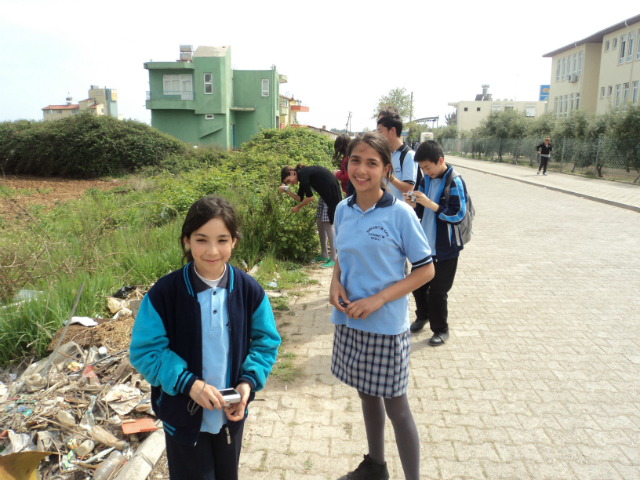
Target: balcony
{"x":299,"y":108}
{"x":171,"y":100}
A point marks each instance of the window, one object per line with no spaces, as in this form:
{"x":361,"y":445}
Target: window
{"x":566,"y":104}
{"x":580,"y":62}
{"x":638,"y":46}
{"x":630,"y":47}
{"x":530,"y":111}
{"x":606,"y":46}
{"x":58,"y":111}
{"x":466,"y":109}
{"x":560,"y":105}
{"x":558,"y":71}
{"x":178,"y":85}
{"x":610,"y":91}
{"x":555,"y":105}
{"x":577,"y":101}
{"x":496,"y":108}
{"x":74,"y":111}
{"x":634,"y":94}
{"x":623,"y":44}
{"x":208,"y":84}
{"x":478,"y":109}
{"x":575,"y":63}
{"x":208,"y":116}
{"x":618,"y":90}
{"x":571,"y":103}
{"x":508,"y":108}
{"x":615,"y":43}
{"x":602,"y":92}
{"x":265,"y":87}
{"x":625,"y":94}
{"x":564,"y":65}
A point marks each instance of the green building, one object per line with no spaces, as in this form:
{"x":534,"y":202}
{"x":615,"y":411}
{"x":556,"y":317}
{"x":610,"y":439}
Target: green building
{"x":200,"y":99}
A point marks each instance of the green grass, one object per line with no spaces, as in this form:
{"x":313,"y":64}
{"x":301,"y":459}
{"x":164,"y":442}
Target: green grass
{"x":285,"y":369}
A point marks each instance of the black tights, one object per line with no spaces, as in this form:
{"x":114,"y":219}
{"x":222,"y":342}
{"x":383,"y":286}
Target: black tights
{"x":404,"y":427}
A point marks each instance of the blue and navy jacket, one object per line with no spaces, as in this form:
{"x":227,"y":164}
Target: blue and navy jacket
{"x":166,"y":344}
{"x":447,"y":246}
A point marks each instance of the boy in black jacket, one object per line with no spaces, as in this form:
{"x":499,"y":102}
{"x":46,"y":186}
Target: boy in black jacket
{"x":545,"y":154}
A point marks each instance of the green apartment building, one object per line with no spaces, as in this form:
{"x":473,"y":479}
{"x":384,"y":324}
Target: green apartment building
{"x":200,"y":99}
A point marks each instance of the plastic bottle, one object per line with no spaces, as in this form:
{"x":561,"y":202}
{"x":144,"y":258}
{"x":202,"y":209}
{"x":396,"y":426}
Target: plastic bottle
{"x":107,"y":467}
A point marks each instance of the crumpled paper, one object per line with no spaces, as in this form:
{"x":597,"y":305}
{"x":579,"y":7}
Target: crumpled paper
{"x":123,"y":398}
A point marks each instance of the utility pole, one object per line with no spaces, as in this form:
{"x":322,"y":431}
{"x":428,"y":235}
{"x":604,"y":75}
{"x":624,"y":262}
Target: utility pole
{"x":348,"y":122}
{"x":411,"y":108}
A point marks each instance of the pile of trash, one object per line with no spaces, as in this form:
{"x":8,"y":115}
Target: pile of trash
{"x":83,"y":410}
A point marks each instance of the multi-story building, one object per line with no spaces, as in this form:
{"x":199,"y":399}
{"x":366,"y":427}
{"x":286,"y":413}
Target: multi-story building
{"x":469,"y":114}
{"x":289,"y":109}
{"x":101,"y":101}
{"x":200,"y":99}
{"x":599,"y":72}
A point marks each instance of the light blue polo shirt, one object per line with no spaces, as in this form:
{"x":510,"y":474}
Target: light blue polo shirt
{"x":408,"y":172}
{"x":372,"y":249}
{"x":215,"y":343}
{"x":434,"y":190}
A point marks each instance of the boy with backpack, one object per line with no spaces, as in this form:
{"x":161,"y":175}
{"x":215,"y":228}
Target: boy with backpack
{"x":447,"y":224}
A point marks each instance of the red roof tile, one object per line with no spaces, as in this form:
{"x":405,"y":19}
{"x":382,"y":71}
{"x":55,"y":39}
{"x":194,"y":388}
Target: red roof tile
{"x":61,"y":107}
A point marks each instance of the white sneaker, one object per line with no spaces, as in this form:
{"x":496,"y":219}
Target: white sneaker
{"x":545,"y":174}
{"x":538,"y":172}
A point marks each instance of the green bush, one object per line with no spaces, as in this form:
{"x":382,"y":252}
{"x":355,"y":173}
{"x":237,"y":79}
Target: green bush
{"x":83,"y":146}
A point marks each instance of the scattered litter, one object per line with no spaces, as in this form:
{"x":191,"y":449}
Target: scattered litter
{"x":106,"y":468}
{"x":124,"y":292}
{"x":123,"y":398}
{"x":139,"y":425}
{"x":273,"y":284}
{"x":86,"y":321}
{"x":115,"y":305}
{"x":123,"y":312}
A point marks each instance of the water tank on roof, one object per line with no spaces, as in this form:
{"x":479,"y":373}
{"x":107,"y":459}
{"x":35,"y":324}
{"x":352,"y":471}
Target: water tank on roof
{"x":186,"y":48}
{"x":69,"y":100}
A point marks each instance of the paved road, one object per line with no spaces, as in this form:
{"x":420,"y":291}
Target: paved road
{"x":618,"y":193}
{"x":539,"y":380}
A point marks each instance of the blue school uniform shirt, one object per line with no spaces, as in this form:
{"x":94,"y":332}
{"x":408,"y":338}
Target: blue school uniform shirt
{"x":408,"y":173}
{"x":372,"y":249}
{"x":429,"y":216}
{"x":215,"y":344}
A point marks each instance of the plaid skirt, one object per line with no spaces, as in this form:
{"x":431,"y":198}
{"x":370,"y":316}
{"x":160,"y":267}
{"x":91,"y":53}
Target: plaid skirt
{"x":322,"y":211}
{"x":372,"y":363}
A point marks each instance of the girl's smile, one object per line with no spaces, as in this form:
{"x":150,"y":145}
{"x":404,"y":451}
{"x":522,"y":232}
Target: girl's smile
{"x":211,"y":246}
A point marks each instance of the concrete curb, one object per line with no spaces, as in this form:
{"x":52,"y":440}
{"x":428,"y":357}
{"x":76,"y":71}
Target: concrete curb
{"x":556,"y":189}
{"x":145,"y":457}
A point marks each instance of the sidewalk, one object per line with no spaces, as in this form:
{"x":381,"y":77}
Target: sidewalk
{"x":612,"y":193}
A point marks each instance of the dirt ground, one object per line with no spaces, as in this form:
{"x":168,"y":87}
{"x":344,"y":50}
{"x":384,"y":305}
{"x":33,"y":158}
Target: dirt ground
{"x":22,"y":190}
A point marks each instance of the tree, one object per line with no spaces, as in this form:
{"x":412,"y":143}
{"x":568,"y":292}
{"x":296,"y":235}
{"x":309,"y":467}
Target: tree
{"x":399,"y":98}
{"x":451,"y":119}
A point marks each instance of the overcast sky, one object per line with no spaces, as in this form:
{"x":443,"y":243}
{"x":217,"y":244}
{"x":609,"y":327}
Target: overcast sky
{"x":338,"y":56}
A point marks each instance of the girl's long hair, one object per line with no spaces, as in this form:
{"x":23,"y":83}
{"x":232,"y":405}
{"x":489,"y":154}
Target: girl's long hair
{"x":203,"y":210}
{"x":340,"y":147}
{"x":284,"y":173}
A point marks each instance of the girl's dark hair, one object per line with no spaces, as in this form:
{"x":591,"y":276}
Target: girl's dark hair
{"x":341,"y":146}
{"x":284,"y":173}
{"x":429,"y":150}
{"x":379,"y":144}
{"x":201,"y":212}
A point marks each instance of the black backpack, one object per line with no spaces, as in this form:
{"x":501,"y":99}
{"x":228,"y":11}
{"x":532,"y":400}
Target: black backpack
{"x":403,"y":153}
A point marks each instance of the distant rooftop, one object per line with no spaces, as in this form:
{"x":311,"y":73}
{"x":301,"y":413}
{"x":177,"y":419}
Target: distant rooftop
{"x":61,"y":107}
{"x":596,"y":37}
{"x":204,"y":51}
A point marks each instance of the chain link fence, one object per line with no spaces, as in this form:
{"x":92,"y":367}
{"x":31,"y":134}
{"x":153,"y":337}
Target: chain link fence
{"x":603,"y":157}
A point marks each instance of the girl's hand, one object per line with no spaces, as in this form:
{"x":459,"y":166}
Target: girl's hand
{"x":281,"y":188}
{"x":361,"y":309}
{"x":210,"y":397}
{"x":296,"y":209}
{"x":337,"y":292}
{"x":336,"y":172}
{"x":235,"y":411}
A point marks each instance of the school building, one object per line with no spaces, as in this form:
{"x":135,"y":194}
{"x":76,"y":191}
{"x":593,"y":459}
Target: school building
{"x":598,"y":73}
{"x":469,"y":114}
{"x":101,"y":101}
{"x":200,"y":99}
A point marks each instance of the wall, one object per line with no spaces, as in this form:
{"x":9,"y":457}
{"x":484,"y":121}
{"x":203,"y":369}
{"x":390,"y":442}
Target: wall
{"x":586,"y":85}
{"x":247,"y":90}
{"x":612,"y":73}
{"x":57,"y":116}
{"x":191,"y":128}
{"x":471,"y":119}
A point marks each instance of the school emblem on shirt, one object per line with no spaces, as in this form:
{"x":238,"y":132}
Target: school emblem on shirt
{"x":378,"y":233}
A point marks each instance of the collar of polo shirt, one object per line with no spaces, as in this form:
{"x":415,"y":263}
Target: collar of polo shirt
{"x":386,"y":200}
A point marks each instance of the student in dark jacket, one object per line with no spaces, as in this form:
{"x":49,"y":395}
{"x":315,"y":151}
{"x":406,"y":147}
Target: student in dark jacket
{"x":203,"y":328}
{"x":544,"y":149}
{"x":326,"y":184}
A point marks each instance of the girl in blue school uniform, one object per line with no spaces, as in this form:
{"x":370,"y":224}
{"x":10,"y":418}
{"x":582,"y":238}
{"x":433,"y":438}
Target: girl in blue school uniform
{"x":375,"y":234}
{"x":203,"y":328}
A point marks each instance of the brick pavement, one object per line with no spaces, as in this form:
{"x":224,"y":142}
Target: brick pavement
{"x":539,"y":380}
{"x":620,"y":194}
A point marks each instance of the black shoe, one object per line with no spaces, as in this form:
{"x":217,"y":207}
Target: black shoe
{"x":368,"y":470}
{"x":418,"y":325}
{"x":438,"y":339}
